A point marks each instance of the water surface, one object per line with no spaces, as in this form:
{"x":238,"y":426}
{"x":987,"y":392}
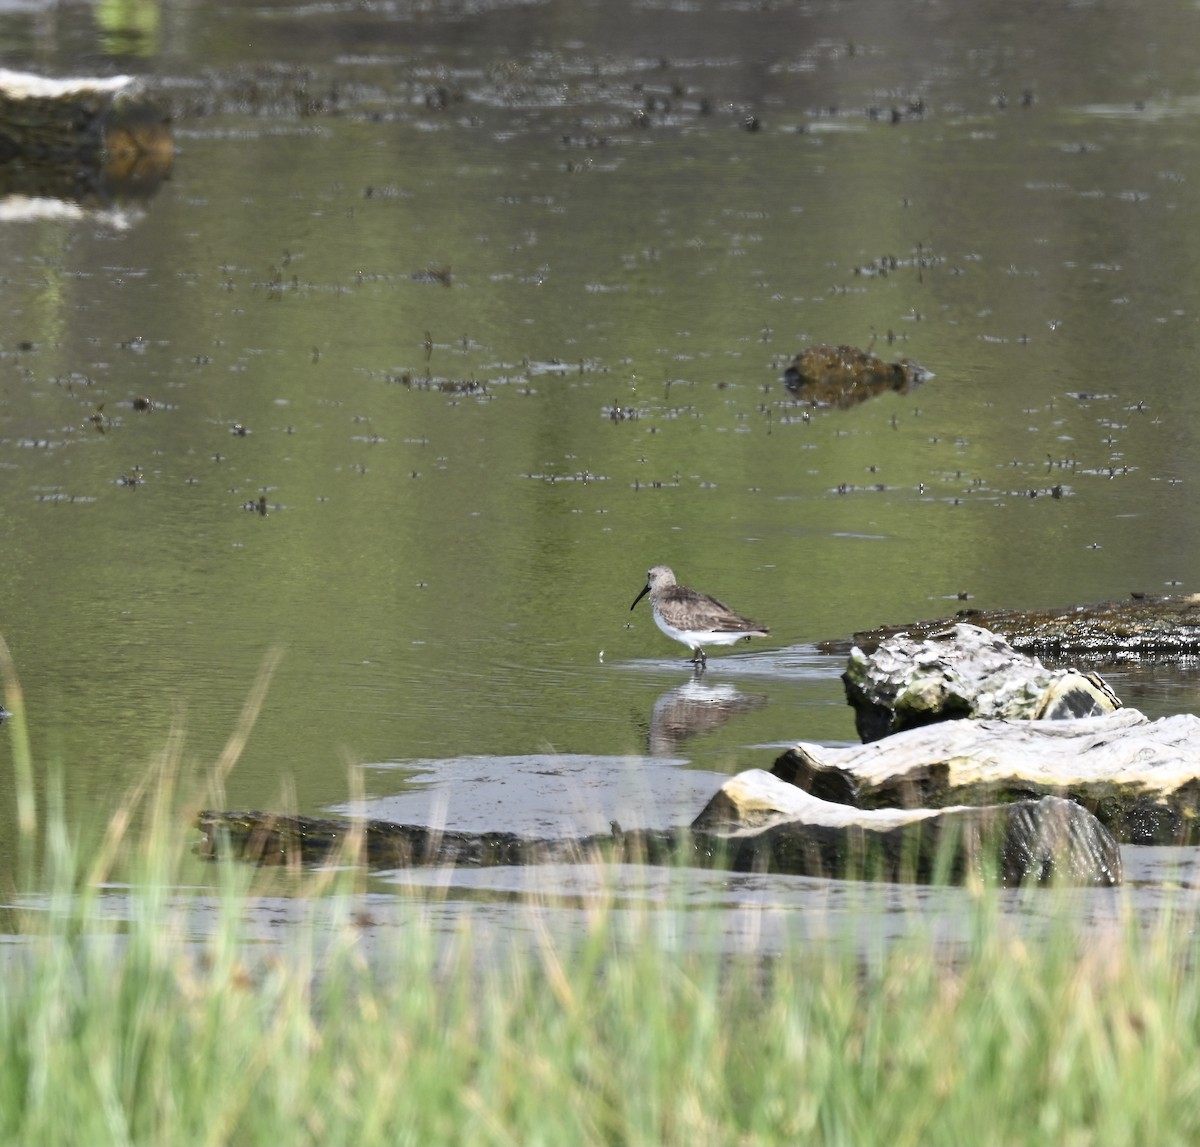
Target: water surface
{"x":486,"y":306}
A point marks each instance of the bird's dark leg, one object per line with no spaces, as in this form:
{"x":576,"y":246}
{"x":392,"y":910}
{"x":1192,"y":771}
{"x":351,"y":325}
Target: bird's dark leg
{"x":698,"y":657}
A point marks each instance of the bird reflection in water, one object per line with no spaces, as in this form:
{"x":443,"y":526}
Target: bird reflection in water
{"x":694,"y":708}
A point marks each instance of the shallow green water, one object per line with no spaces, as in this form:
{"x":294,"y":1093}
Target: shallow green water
{"x":458,"y":517}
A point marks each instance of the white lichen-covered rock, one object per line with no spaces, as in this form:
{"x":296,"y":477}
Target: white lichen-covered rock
{"x":963,"y":671}
{"x":1140,"y":777}
{"x":755,"y":799}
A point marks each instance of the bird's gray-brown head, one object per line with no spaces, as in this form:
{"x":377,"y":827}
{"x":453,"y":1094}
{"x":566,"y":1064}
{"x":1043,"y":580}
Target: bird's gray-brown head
{"x":657,"y":577}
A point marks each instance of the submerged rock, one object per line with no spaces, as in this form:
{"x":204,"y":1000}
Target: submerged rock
{"x":1140,"y":778}
{"x":962,"y":671}
{"x":843,"y":376}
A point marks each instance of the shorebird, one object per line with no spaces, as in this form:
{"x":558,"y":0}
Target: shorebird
{"x":692,"y":617}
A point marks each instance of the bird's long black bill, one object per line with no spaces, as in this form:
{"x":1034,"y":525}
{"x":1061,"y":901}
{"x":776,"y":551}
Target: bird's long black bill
{"x":640,"y":596}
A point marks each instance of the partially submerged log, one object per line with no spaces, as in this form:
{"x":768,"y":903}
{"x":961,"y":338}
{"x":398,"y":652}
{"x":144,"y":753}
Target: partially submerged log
{"x":755,"y":823}
{"x":844,"y":376}
{"x":962,"y":671}
{"x":1143,"y":626}
{"x":1140,"y":778}
{"x":85,"y":138}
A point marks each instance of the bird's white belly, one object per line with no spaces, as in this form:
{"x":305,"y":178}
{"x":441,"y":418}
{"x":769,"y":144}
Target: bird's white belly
{"x":697,"y":637}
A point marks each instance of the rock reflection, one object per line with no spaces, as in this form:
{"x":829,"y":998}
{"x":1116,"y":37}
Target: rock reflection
{"x":694,"y":708}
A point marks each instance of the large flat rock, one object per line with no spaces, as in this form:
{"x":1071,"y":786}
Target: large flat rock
{"x":769,"y":824}
{"x":1141,"y":778}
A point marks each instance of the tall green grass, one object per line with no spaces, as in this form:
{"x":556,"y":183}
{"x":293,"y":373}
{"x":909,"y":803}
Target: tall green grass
{"x":169,"y":1024}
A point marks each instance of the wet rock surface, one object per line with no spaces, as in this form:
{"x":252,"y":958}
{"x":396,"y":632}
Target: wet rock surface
{"x":963,"y":671}
{"x":1144,"y":626}
{"x":273,"y":838}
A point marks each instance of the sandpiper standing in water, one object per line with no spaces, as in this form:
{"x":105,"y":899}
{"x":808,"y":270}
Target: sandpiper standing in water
{"x":692,"y":617}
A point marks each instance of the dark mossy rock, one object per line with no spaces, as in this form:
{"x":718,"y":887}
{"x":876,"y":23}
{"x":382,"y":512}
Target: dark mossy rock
{"x":962,"y":671}
{"x":1144,"y":626}
{"x":282,"y":838}
{"x":843,"y":376}
{"x":1140,"y":778}
{"x":87,"y":139}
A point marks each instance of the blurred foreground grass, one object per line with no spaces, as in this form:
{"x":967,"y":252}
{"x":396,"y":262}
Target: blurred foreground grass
{"x":167,"y":1022}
